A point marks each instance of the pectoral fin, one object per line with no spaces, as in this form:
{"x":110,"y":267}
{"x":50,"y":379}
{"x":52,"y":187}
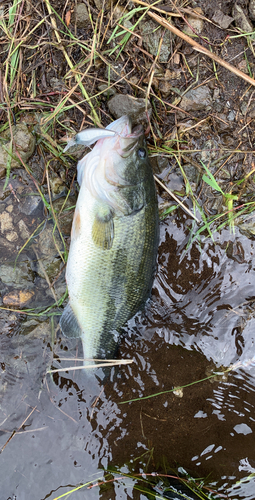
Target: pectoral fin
{"x":69,"y":324}
{"x":103,"y":227}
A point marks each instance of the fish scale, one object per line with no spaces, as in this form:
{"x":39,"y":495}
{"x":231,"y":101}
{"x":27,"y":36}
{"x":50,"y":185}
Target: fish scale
{"x":114,"y":242}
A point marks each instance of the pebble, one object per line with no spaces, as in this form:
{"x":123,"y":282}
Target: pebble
{"x":20,"y":276}
{"x":195,"y":22}
{"x":103,"y":87}
{"x":81,"y":15}
{"x":6,"y":222}
{"x":231,"y":115}
{"x":221,"y":19}
{"x":49,"y":259}
{"x":29,"y":204}
{"x":18,"y":298}
{"x":23,"y":230}
{"x":252,"y":9}
{"x":197,"y":99}
{"x":12,"y":236}
{"x":99,"y":4}
{"x":24,"y":141}
{"x":114,"y":72}
{"x":241,"y":19}
{"x":151,"y":34}
{"x":120,"y":105}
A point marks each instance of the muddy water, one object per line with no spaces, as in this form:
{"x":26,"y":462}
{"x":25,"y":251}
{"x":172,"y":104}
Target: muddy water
{"x":60,"y":431}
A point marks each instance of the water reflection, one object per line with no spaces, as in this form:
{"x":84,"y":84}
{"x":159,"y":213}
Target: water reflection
{"x":70,"y":428}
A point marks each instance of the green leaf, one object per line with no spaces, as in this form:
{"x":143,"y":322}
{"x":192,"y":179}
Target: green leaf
{"x":212,"y":182}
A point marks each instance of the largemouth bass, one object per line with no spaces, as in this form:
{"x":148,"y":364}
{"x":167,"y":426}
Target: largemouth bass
{"x":114,"y":240}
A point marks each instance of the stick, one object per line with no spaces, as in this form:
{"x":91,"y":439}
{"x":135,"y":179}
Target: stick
{"x":201,"y":49}
{"x":175,"y":198}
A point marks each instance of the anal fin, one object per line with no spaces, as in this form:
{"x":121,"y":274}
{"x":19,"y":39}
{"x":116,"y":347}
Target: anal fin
{"x":69,"y":323}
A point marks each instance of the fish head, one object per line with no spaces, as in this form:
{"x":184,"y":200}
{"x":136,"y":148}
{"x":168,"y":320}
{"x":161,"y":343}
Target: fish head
{"x":125,"y":155}
{"x":116,"y":162}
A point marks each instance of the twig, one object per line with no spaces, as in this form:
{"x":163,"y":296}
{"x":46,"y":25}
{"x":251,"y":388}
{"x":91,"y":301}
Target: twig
{"x":201,"y":49}
{"x":175,"y":198}
{"x":115,"y":362}
{"x":15,"y":432}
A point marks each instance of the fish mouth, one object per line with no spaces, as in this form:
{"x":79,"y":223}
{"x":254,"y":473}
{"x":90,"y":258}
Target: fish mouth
{"x":128,"y":137}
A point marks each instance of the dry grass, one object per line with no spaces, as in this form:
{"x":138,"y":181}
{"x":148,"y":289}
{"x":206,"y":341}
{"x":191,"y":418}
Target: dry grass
{"x":49,"y":78}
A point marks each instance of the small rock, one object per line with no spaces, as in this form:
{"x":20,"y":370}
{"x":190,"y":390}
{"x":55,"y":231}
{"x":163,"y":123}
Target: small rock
{"x":19,"y":276}
{"x":6,"y":222}
{"x":56,"y":184}
{"x":18,"y":298}
{"x":252,"y":9}
{"x":221,"y":19}
{"x":57,"y":84}
{"x":196,"y":99}
{"x":242,"y":65}
{"x":151,"y":38}
{"x":251,"y":112}
{"x":246,"y":224}
{"x":209,"y":151}
{"x":99,"y":4}
{"x":133,"y":80}
{"x":114,"y":72}
{"x":222,"y":124}
{"x":231,"y":115}
{"x":241,"y":19}
{"x":107,"y":92}
{"x":178,"y":391}
{"x":23,"y":230}
{"x":29,"y":204}
{"x":243,"y":108}
{"x":12,"y":236}
{"x":195,"y":22}
{"x":118,"y":11}
{"x":120,"y":105}
{"x":216,"y":94}
{"x":166,"y":85}
{"x":24,"y":142}
{"x":47,"y":253}
{"x":81,"y":15}
{"x":175,"y":182}
{"x":4,"y":247}
{"x":192,"y":173}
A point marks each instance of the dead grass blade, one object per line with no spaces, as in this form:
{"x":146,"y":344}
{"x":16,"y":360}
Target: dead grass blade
{"x":69,"y":62}
{"x":105,"y":362}
{"x":15,"y":432}
{"x":201,"y":49}
{"x":176,"y":199}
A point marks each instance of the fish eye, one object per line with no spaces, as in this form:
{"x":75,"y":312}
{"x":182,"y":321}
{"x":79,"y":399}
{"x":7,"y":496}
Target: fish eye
{"x":141,"y":153}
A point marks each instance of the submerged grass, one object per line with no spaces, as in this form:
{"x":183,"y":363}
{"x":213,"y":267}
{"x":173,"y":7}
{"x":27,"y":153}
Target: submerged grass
{"x":151,"y":485}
